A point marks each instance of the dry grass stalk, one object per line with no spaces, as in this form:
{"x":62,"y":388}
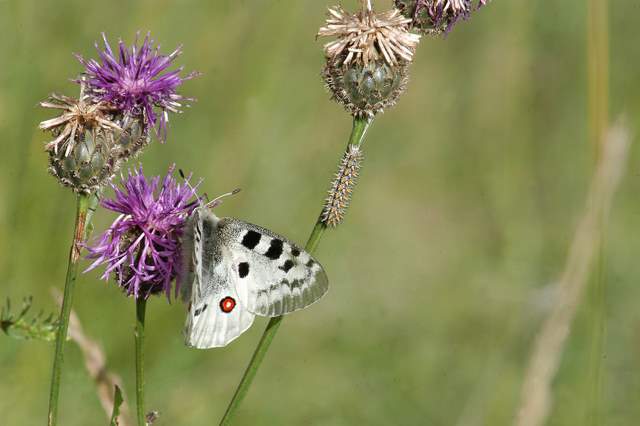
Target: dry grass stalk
{"x":536,"y":399}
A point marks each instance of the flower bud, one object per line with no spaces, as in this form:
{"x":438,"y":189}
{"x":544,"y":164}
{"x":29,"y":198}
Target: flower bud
{"x":365,"y":90}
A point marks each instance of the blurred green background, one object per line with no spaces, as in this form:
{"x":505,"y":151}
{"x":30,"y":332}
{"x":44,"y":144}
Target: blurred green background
{"x":470,"y":194}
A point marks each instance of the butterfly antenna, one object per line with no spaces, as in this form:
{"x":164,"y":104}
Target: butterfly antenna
{"x":193,"y":189}
{"x":211,"y":204}
{"x":218,"y":200}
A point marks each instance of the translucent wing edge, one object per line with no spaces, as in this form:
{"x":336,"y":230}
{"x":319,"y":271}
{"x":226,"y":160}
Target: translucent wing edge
{"x":281,"y":299}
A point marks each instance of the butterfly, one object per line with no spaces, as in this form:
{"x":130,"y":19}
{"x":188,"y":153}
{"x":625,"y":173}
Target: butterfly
{"x":235,"y":270}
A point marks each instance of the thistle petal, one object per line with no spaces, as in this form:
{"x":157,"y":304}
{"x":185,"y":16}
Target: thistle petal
{"x":142,"y":246}
{"x":135,"y":81}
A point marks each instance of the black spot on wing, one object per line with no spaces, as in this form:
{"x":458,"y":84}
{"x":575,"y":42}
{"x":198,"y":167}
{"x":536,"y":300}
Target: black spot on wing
{"x":199,"y":310}
{"x":288,"y":264}
{"x":310,"y":263}
{"x":295,"y":252}
{"x":243,"y":269}
{"x":251,"y":239}
{"x":275,"y":249}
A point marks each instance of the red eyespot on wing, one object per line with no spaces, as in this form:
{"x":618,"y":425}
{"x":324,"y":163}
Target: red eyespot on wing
{"x":227,"y":304}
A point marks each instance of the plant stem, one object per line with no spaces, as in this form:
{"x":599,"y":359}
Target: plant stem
{"x":598,"y":73}
{"x":83,"y":203}
{"x":141,"y":305}
{"x":358,"y":132}
{"x":598,"y":95}
{"x":598,"y":101}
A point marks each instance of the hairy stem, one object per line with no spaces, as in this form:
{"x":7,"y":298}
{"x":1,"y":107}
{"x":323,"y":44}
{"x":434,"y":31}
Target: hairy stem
{"x":83,"y":204}
{"x":360,"y":127}
{"x":141,"y":305}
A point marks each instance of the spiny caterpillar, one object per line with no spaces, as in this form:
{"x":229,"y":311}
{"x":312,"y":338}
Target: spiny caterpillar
{"x":337,"y":202}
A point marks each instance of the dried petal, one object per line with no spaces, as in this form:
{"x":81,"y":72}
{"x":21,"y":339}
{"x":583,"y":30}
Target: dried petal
{"x":91,"y":140}
{"x":367,"y":36}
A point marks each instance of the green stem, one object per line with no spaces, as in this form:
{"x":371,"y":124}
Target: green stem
{"x":598,"y":301}
{"x":314,"y":238}
{"x":358,"y":132}
{"x":141,"y":305}
{"x":598,"y":106}
{"x":598,"y":73}
{"x":83,"y":203}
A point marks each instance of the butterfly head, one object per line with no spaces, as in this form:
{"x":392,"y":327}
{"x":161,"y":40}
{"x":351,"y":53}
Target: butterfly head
{"x":204,"y":213}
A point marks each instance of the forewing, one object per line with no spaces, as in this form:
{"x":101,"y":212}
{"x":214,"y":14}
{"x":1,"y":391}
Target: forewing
{"x":277,"y":275}
{"x":218,"y":312}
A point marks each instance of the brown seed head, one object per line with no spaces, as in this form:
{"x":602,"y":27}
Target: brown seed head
{"x":367,"y":36}
{"x":77,"y":115}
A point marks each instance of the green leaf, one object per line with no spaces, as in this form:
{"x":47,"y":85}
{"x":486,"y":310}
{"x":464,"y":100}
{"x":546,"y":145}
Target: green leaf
{"x":19,"y":327}
{"x":117,"y":402}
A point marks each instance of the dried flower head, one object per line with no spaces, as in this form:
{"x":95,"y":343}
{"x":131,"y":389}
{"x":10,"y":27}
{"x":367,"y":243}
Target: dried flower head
{"x":366,"y":66}
{"x":91,"y":140}
{"x":142,"y":246}
{"x":337,"y":203}
{"x":77,"y":115}
{"x":136,"y":81}
{"x":367,"y":36}
{"x":437,"y":16}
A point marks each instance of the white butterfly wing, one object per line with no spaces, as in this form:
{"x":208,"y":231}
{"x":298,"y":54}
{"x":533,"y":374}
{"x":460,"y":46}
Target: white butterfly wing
{"x":217,"y":311}
{"x":277,"y":276}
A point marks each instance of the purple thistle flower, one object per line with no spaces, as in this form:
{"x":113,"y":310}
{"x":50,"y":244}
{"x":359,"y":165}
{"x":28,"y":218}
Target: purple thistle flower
{"x":134,"y":81}
{"x":142,"y":246}
{"x":438,"y":16}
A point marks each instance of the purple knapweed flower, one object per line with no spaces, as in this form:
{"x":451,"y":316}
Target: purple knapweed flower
{"x":136,"y":81}
{"x":437,"y":16}
{"x":142,"y":246}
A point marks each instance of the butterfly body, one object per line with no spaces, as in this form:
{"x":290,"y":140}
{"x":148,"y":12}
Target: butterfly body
{"x":235,"y":270}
